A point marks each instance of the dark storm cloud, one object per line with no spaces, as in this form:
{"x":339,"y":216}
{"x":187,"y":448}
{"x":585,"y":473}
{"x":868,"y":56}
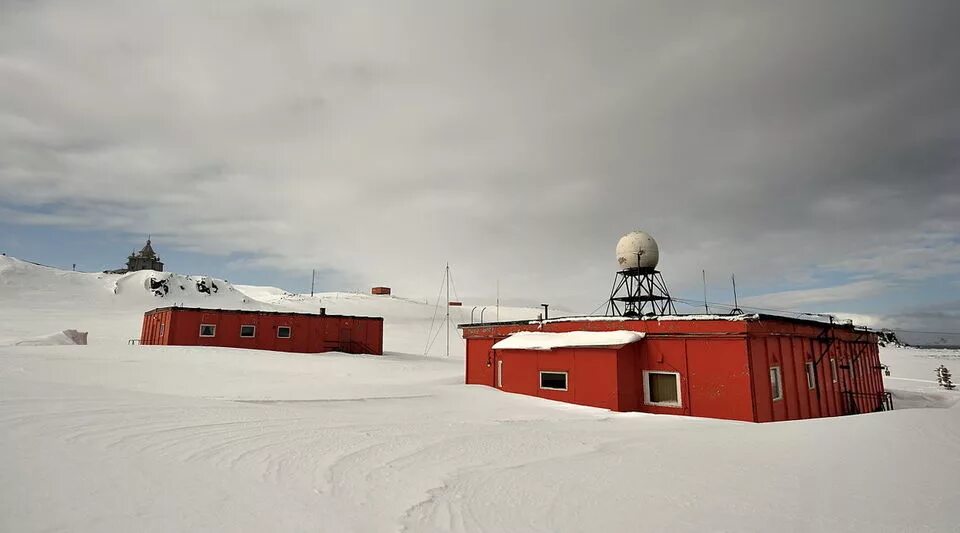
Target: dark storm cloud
{"x":516,"y":140}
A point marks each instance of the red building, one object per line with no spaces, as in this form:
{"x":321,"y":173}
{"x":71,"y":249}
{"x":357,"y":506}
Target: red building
{"x":263,"y":330}
{"x":757,"y":368}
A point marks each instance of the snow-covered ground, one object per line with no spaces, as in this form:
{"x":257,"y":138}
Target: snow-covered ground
{"x":111,"y":437}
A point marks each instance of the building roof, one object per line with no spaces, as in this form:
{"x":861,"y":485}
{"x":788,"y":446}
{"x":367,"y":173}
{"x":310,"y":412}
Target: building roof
{"x":147,"y":250}
{"x":750,"y":317}
{"x":539,"y":340}
{"x":250,"y":312}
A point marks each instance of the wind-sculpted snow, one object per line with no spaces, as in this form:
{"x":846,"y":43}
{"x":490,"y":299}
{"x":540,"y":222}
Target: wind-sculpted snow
{"x":169,"y":439}
{"x":60,"y":338}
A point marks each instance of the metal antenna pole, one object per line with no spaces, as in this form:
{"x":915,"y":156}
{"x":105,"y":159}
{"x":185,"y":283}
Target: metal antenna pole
{"x":733,"y":278}
{"x":705,"y":308}
{"x":313,"y":279}
{"x":498,"y":300}
{"x":448,"y":308}
{"x":736,"y":305}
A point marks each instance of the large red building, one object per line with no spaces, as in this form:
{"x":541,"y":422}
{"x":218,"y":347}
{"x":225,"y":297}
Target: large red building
{"x":757,"y":368}
{"x":263,"y":330}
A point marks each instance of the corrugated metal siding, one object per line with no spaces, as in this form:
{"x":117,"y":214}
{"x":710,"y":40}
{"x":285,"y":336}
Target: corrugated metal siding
{"x":309,"y":333}
{"x":724,"y":366}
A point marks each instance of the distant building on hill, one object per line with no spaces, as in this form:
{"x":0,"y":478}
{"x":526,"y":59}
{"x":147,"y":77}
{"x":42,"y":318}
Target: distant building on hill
{"x":145,"y":259}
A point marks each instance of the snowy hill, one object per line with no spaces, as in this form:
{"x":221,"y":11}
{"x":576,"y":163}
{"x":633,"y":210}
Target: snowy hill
{"x":111,"y":437}
{"x":40,"y":301}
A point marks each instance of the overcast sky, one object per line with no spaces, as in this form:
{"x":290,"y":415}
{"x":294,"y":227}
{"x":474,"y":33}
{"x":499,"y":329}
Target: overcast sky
{"x":810,"y":147}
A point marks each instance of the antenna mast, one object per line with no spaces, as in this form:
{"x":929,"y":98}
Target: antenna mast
{"x":447,"y":277}
{"x":736,"y":306}
{"x":705,"y":308}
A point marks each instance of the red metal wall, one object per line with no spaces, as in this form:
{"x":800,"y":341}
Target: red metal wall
{"x":308,"y":333}
{"x":790,"y":347}
{"x":591,"y":374}
{"x":718,"y":378}
{"x":714,"y":375}
{"x":724,"y":366}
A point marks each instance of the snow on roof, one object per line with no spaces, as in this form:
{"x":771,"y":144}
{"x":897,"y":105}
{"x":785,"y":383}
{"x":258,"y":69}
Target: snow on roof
{"x":538,"y":340}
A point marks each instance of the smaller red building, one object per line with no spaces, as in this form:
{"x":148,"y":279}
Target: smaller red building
{"x":263,"y":330}
{"x":380,"y":291}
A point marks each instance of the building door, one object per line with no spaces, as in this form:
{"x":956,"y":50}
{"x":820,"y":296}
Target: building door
{"x":499,"y":373}
{"x":345,"y":340}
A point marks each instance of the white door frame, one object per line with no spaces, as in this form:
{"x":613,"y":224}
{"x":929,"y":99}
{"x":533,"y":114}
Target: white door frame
{"x":499,"y":373}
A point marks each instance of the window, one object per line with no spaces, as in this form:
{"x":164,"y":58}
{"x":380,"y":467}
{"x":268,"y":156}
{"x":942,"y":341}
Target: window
{"x":811,"y":376}
{"x":161,"y":328}
{"x":208,"y":330}
{"x":553,"y":380}
{"x":283,"y":332}
{"x":661,"y":388}
{"x":248,"y":331}
{"x":833,"y":369}
{"x":776,"y":384}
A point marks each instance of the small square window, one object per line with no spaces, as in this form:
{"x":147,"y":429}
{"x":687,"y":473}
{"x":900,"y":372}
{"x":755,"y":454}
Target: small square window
{"x":553,"y":380}
{"x":833,"y":369}
{"x":811,"y":376}
{"x":208,"y":330}
{"x":776,"y":383}
{"x":661,"y":388}
{"x":248,"y":331}
{"x":283,"y":332}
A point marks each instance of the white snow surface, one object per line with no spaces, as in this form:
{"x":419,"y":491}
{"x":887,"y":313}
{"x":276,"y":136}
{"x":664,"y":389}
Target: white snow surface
{"x":541,"y":340}
{"x":112,"y":437}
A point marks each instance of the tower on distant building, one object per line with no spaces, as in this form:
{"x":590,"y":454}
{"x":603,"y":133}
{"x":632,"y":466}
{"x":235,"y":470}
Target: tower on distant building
{"x":145,"y":259}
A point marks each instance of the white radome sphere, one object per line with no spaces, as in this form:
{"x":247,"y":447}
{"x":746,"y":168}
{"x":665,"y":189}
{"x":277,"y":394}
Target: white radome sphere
{"x":637,"y":249}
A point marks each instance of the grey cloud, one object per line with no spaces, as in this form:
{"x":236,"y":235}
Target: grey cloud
{"x":516,"y":140}
{"x":934,"y":324}
{"x":809,"y":298}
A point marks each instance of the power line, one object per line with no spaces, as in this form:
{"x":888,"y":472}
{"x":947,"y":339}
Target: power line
{"x":454,"y":285}
{"x":697,"y":303}
{"x":433,"y":320}
{"x":603,"y":303}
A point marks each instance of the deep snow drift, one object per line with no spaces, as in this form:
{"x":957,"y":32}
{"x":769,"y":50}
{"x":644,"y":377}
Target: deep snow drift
{"x":111,"y":437}
{"x":60,"y":338}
